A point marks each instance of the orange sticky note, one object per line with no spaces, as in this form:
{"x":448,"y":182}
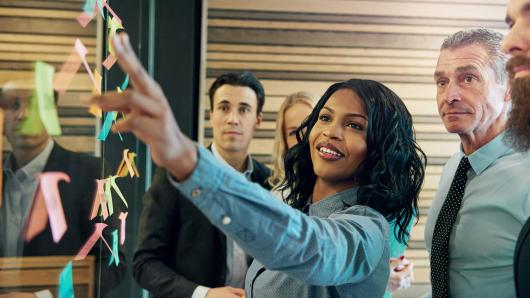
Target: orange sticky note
{"x":98,"y":233}
{"x":99,"y":200}
{"x":67,"y":73}
{"x":109,"y":62}
{"x":47,"y":205}
{"x":128,"y":165}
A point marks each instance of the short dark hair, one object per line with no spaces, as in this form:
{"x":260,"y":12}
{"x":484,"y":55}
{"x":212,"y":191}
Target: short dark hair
{"x":242,"y":78}
{"x":390,"y":176}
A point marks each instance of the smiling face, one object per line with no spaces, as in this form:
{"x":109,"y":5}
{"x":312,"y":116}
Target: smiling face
{"x":338,"y":139}
{"x":470,"y":101}
{"x":234,"y":118}
{"x":292,"y":118}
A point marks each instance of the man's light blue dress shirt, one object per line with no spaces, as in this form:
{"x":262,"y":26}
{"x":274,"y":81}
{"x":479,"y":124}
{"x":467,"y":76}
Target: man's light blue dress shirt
{"x":495,"y":205}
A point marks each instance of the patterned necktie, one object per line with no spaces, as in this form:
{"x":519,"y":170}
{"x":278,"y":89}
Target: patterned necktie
{"x":442,"y":231}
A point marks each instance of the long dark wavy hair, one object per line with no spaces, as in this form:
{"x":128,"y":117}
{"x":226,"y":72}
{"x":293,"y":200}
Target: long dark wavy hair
{"x":391,"y":175}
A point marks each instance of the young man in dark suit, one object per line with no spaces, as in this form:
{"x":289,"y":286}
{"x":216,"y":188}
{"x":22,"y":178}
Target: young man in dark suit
{"x":180,"y":253}
{"x":32,"y":155}
{"x":517,"y":44}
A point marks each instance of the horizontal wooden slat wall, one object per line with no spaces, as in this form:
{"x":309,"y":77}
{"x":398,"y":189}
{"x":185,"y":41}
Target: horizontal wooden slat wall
{"x":46,"y":30}
{"x":308,"y":45}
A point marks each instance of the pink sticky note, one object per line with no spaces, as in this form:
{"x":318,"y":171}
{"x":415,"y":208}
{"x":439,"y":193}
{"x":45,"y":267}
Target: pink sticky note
{"x":67,"y":73}
{"x":49,"y":186}
{"x":114,"y":15}
{"x":83,"y":19}
{"x":99,"y":200}
{"x":122,"y":217}
{"x":47,"y":205}
{"x":98,"y":233}
{"x":82,"y":51}
{"x":38,"y":218}
{"x":109,"y":62}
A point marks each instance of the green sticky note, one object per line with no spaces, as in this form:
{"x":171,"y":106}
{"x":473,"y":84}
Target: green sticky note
{"x":42,"y":104}
{"x":117,"y":189}
{"x":108,"y":197}
{"x":31,"y":124}
{"x":66,"y":284}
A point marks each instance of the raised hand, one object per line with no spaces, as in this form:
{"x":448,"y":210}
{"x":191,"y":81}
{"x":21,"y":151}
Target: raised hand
{"x":148,"y":114}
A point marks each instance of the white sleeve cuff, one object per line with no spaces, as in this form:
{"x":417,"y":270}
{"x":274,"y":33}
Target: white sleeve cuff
{"x":200,"y":292}
{"x":43,"y":294}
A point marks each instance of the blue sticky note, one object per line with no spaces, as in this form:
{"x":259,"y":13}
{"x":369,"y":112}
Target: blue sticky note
{"x":114,"y":249}
{"x":66,"y":283}
{"x":125,"y":83}
{"x":107,"y":124}
{"x":88,"y":8}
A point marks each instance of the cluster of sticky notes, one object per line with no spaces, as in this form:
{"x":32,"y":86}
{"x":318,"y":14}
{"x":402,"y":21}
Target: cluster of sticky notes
{"x":46,"y":207}
{"x":128,"y":165}
{"x":42,"y":111}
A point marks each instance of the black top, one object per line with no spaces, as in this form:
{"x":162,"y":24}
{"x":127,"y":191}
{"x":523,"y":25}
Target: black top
{"x":178,"y":248}
{"x":77,"y":198}
{"x":521,"y":264}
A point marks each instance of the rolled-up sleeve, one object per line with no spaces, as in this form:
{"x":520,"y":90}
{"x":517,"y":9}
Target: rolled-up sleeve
{"x":344,"y":248}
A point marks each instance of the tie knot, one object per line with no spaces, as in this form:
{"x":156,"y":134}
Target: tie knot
{"x":464,"y":164}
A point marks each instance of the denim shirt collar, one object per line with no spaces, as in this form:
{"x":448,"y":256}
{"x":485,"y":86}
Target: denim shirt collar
{"x":334,"y":203}
{"x":481,"y":159}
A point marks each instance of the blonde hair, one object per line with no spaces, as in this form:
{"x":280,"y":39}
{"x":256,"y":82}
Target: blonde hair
{"x":280,"y":146}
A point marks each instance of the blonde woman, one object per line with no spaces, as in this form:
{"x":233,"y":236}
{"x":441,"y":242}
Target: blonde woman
{"x":294,"y":109}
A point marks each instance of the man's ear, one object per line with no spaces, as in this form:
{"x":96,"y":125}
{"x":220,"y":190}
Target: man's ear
{"x":259,"y":119}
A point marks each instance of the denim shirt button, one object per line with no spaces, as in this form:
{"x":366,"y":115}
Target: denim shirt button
{"x":226,"y":220}
{"x":196,"y":192}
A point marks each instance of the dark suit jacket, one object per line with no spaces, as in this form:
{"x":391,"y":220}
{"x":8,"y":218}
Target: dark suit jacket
{"x":178,"y":248}
{"x":77,"y":198}
{"x":522,"y":262}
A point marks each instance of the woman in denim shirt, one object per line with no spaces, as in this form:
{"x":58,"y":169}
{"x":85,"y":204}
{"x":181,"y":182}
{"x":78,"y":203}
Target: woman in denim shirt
{"x":356,"y":168}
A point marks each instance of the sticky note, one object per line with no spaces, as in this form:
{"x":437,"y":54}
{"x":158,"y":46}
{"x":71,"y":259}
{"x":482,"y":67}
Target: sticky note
{"x":67,"y":72}
{"x":125,"y":83}
{"x":46,"y":101}
{"x":38,"y":218}
{"x":42,"y":112}
{"x":108,"y":196}
{"x":114,"y":15}
{"x":128,"y":165}
{"x":99,"y":200}
{"x":116,"y":259}
{"x":112,"y":26}
{"x":122,"y":217}
{"x":49,"y":187}
{"x":115,"y":187}
{"x":98,"y":233}
{"x":107,"y":124}
{"x":66,"y":282}
{"x":47,"y":205}
{"x":109,"y":62}
{"x":82,"y":52}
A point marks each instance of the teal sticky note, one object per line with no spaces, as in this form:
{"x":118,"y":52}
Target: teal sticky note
{"x":66,"y":283}
{"x":125,"y":83}
{"x":107,"y":124}
{"x":88,"y":8}
{"x":114,"y":249}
